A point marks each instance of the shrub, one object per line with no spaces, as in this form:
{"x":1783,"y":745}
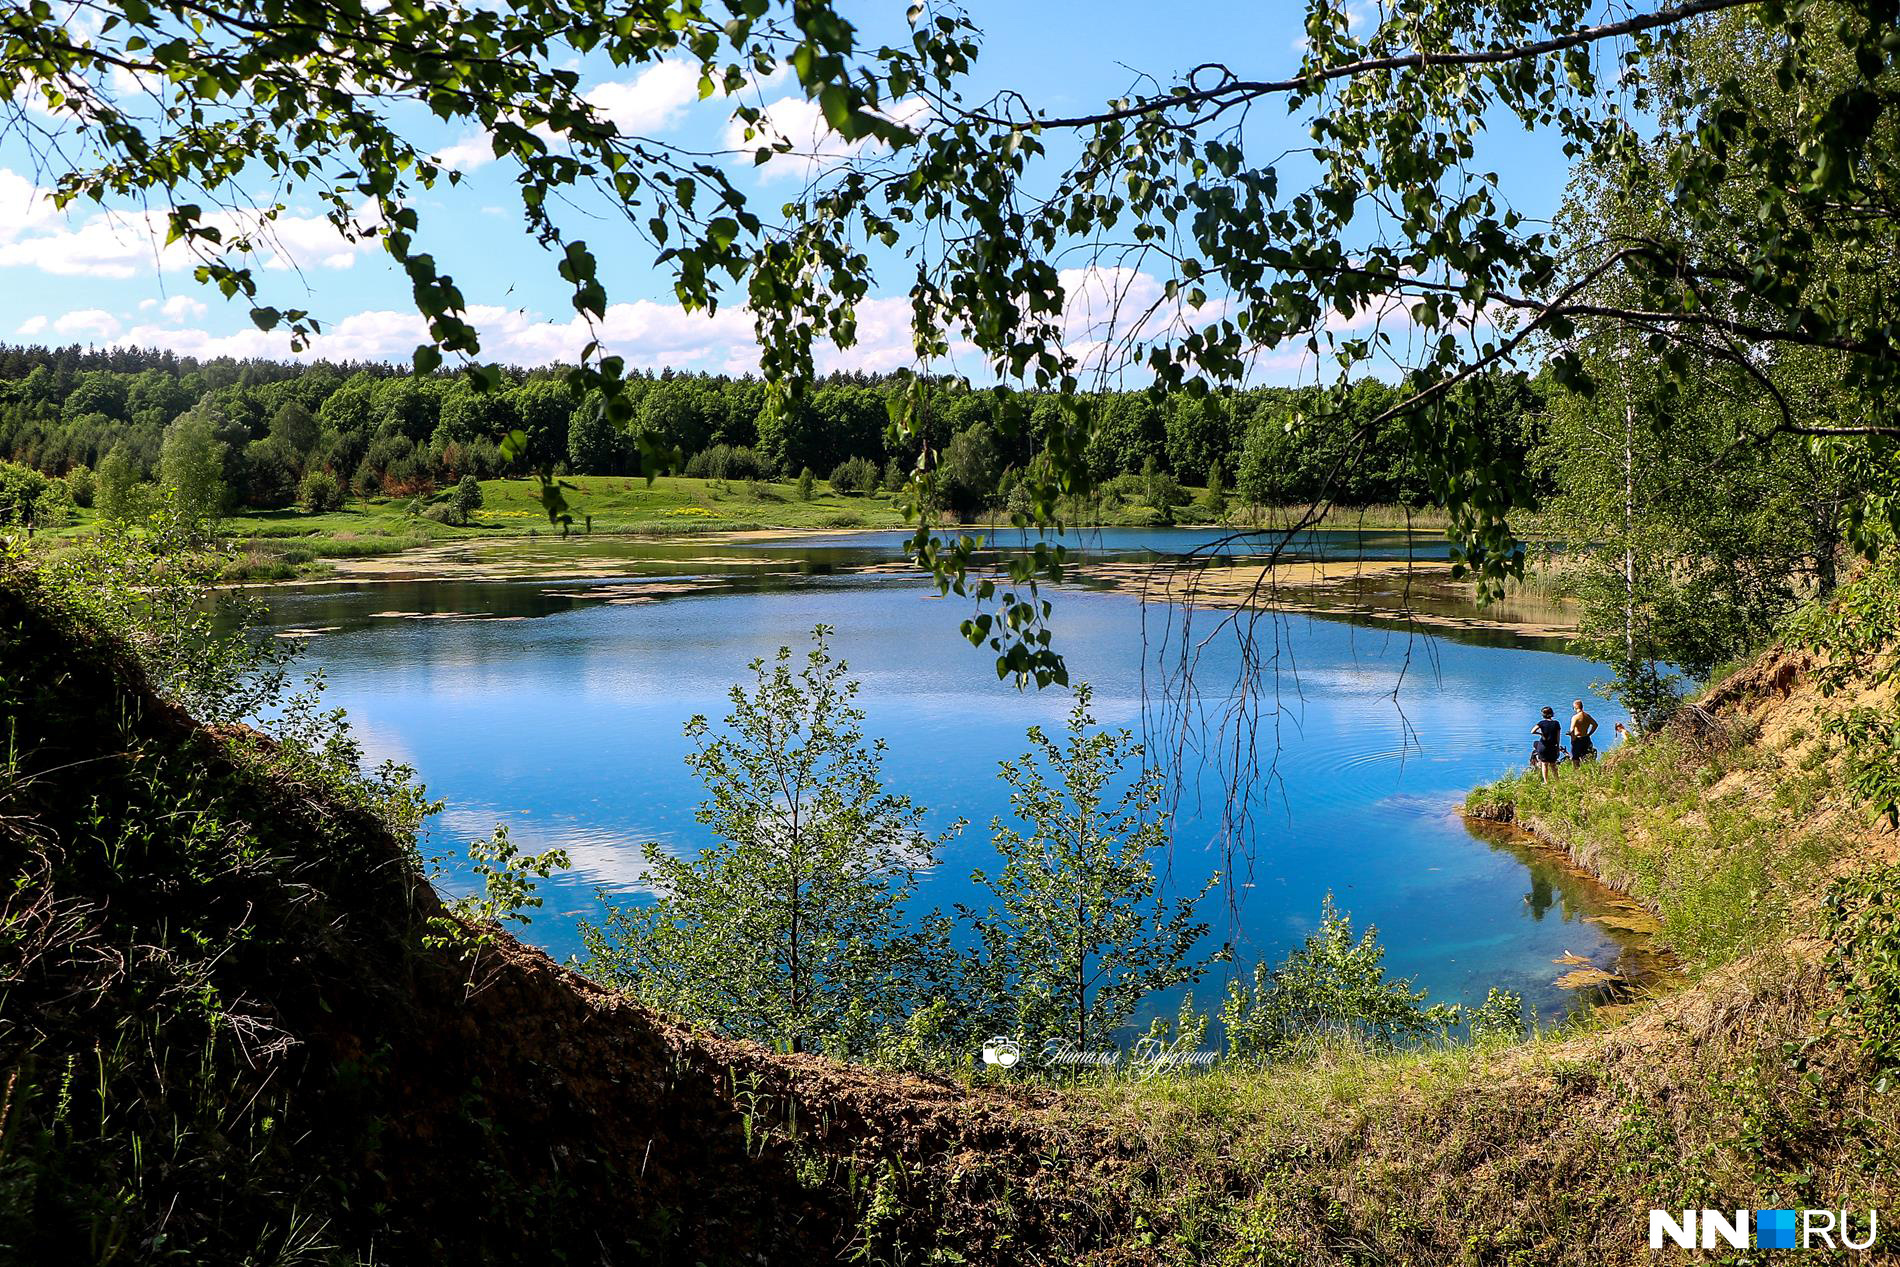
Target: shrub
{"x":854,"y":476}
{"x":1862,"y":927}
{"x":727,"y":462}
{"x":466,"y":499}
{"x":806,"y":485}
{"x":1332,"y":987}
{"x":31,"y":500}
{"x":79,"y":484}
{"x":320,"y":492}
{"x":1144,"y":517}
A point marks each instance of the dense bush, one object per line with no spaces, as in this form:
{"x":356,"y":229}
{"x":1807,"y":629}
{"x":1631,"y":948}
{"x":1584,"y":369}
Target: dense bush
{"x":31,"y":500}
{"x":854,"y":476}
{"x":728,"y":462}
{"x":79,"y":484}
{"x":320,"y":492}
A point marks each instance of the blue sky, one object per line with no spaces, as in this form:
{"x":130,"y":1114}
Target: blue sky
{"x":99,"y":277}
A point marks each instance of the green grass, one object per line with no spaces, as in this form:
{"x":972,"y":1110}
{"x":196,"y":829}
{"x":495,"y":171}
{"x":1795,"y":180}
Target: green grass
{"x":277,"y":544}
{"x":1725,"y":847}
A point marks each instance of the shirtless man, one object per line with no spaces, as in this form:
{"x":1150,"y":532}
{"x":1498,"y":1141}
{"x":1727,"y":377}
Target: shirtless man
{"x":1582,"y":726}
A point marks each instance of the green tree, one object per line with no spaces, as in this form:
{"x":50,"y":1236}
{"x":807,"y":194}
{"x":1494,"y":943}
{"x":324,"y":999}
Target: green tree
{"x":806,"y":485}
{"x":966,"y":475}
{"x":191,"y":467}
{"x":1077,"y":933}
{"x":594,"y":442}
{"x":270,"y":473}
{"x":1216,"y":497}
{"x":1333,"y":988}
{"x":544,"y":407}
{"x":296,"y":427}
{"x":117,"y":482}
{"x":793,"y":928}
{"x":320,"y":492}
{"x":466,"y":499}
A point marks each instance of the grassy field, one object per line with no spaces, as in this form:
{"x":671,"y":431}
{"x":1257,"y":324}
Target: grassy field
{"x":281,"y":544}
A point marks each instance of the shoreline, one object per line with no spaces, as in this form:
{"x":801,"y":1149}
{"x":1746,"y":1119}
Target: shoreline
{"x":1642,"y":968}
{"x":1415,"y":593}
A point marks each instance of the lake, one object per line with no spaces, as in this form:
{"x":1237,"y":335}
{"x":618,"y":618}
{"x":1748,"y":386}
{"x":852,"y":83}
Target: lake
{"x":554,"y":704}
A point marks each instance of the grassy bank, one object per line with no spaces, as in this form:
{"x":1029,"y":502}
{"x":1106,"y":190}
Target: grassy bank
{"x":1727,"y":837}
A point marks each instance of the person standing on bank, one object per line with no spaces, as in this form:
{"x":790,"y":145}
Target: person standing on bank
{"x":1545,"y":753}
{"x":1582,"y":727}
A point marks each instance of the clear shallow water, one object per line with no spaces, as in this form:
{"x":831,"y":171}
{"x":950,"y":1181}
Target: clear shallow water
{"x":563,"y":720}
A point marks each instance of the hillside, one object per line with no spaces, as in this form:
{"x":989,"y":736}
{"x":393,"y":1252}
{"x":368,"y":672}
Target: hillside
{"x":223,"y":1040}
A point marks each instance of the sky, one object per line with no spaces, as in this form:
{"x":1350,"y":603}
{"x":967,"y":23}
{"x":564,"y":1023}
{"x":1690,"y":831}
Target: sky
{"x":99,"y":276}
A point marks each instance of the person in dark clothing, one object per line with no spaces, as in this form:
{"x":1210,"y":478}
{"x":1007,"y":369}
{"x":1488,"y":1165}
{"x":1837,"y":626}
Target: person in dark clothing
{"x":1545,"y":751}
{"x":1582,"y":727}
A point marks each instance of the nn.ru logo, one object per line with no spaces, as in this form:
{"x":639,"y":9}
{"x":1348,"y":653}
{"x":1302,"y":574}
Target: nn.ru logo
{"x":1773,"y":1229}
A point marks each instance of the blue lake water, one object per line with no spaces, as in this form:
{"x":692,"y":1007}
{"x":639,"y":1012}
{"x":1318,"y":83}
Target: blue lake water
{"x":560,"y":714}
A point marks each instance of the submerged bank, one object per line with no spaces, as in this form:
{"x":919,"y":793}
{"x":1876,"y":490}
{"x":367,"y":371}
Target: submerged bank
{"x":1395,"y":580}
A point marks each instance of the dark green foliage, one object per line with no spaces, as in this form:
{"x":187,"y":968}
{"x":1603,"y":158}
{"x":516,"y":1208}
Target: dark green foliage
{"x":966,"y":477}
{"x":29,"y":499}
{"x":270,"y":473}
{"x":320,"y":492}
{"x":1862,"y":928}
{"x":727,"y":462}
{"x":854,"y":476}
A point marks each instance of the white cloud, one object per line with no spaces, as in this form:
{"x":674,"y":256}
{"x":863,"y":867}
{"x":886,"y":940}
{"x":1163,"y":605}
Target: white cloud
{"x":119,"y":244}
{"x":181,"y":308}
{"x":815,"y":148}
{"x":652,"y":101}
{"x":477,"y":149}
{"x":96,"y":322}
{"x":648,"y":334}
{"x":23,"y":205}
{"x":32,"y":325}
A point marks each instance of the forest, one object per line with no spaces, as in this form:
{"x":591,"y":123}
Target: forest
{"x":380,"y":431}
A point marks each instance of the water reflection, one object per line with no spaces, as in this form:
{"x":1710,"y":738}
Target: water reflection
{"x":554,"y":704}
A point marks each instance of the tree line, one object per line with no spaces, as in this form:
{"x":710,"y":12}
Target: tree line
{"x":377,"y":430}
